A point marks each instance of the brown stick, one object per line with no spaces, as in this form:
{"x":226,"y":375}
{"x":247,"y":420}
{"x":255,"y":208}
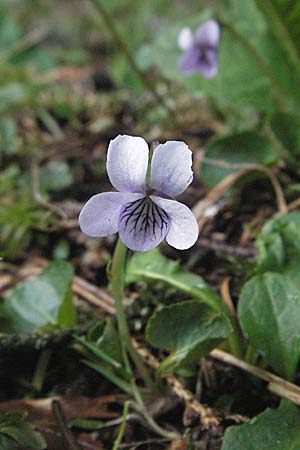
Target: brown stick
{"x":276,"y":384}
{"x":221,"y":188}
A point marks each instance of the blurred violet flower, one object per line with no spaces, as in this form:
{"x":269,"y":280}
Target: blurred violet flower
{"x":144,"y":214}
{"x":200,"y":49}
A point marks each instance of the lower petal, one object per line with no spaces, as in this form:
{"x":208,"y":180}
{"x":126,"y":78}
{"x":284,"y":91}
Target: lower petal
{"x":100,"y":215}
{"x":143,"y":225}
{"x":183,"y":231}
{"x":208,"y":63}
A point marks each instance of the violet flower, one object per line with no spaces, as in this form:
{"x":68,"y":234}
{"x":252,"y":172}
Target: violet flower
{"x":144,"y":214}
{"x":200,"y":49}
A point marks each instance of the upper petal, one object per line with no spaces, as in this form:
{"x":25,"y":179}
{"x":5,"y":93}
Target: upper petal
{"x":171,"y":168}
{"x":100,"y":215}
{"x":143,"y":225}
{"x":185,"y":38}
{"x":183,"y":231}
{"x":208,"y":34}
{"x":127,"y":162}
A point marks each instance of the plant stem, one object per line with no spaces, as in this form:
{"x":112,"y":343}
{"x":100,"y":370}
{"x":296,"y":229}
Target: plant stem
{"x":68,"y":436}
{"x":278,"y":92}
{"x":250,"y":355}
{"x":117,"y":282}
{"x":235,"y":339}
{"x":108,"y":20}
{"x":140,"y":406}
{"x":122,"y":427}
{"x":41,"y":369}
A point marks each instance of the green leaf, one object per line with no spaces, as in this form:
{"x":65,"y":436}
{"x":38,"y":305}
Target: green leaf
{"x":278,"y":244}
{"x":283,"y":17}
{"x":189,"y":329}
{"x":45,"y":299}
{"x":15,"y":432}
{"x":286,"y":128}
{"x":9,"y":141}
{"x":87,"y":424}
{"x":271,"y":430}
{"x":55,"y":176}
{"x":269,"y":313}
{"x":152,"y":266}
{"x":228,"y":154}
{"x":104,"y":336}
{"x":12,"y":95}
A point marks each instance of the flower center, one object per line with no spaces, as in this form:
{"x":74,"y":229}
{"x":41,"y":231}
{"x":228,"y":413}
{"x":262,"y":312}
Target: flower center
{"x":205,"y":54}
{"x":150,"y":192}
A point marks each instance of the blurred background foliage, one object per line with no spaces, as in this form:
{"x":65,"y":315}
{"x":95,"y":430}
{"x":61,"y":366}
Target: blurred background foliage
{"x":65,"y":78}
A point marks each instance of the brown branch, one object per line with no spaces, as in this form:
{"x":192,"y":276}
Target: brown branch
{"x":276,"y":384}
{"x":210,"y":417}
{"x":202,"y":207}
{"x":61,"y":422}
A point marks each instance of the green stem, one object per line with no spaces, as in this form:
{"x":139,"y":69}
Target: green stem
{"x":140,"y":406}
{"x":278,"y":92}
{"x":41,"y":369}
{"x":122,"y":427}
{"x":235,"y":339}
{"x":251,"y":355}
{"x":108,"y":20}
{"x":118,"y":282}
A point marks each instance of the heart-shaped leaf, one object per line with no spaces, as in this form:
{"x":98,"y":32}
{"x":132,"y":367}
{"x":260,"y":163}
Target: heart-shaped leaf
{"x":286,"y":128}
{"x":228,"y":154}
{"x":269,"y":313}
{"x":45,"y":299}
{"x":279,"y":244}
{"x":16,"y":432}
{"x":189,"y":329}
{"x":271,"y":430}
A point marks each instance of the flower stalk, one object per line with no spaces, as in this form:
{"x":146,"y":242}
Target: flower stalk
{"x":118,"y":282}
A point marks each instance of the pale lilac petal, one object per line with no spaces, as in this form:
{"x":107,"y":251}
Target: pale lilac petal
{"x":185,"y":38}
{"x":208,"y":34}
{"x":189,"y":60}
{"x":171,"y":168}
{"x":183,"y":232}
{"x":127,"y":162}
{"x":208,"y":63}
{"x":100,"y":215}
{"x":142,"y":225}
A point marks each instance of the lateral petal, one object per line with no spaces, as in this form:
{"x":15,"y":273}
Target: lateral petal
{"x":183,"y":231}
{"x":100,"y":215}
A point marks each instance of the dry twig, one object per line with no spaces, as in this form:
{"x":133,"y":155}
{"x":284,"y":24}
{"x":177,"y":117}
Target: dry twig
{"x":276,"y":384}
{"x":202,"y":208}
